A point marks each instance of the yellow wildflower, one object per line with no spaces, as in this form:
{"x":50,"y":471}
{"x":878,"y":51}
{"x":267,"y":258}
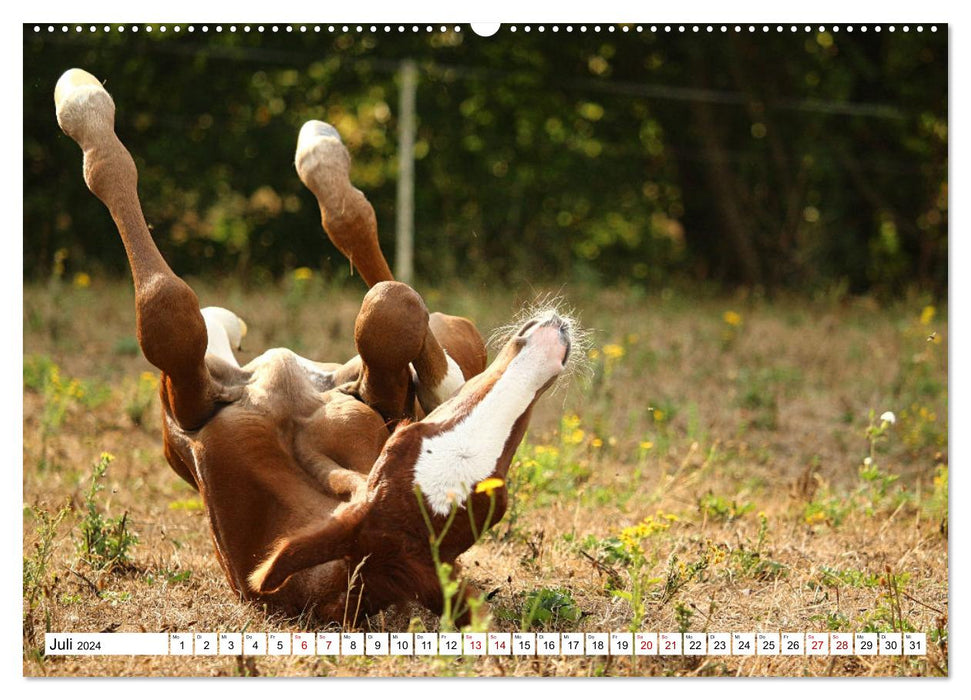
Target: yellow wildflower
{"x":574,"y":437}
{"x":631,"y":542}
{"x":647,"y":527}
{"x":646,"y":445}
{"x":613,"y":351}
{"x":487,"y":486}
{"x":82,"y":280}
{"x":927,"y":315}
{"x":59,"y":257}
{"x":815,"y":518}
{"x":301,"y":274}
{"x":187,"y":504}
{"x":597,"y":443}
{"x":732,"y":318}
{"x":571,"y":421}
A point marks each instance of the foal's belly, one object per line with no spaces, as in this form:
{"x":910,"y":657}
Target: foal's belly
{"x":319,"y":423}
{"x":264,"y":462}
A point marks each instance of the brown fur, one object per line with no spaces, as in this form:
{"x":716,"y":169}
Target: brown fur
{"x":303,"y":476}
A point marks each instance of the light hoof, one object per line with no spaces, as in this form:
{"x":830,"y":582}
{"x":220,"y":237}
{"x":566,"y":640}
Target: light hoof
{"x":225,"y":331}
{"x":313,"y":131}
{"x":321,"y":155}
{"x":72,"y":80}
{"x":82,"y":105}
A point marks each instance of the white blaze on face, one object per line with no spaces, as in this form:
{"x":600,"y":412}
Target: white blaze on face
{"x":225,"y":331}
{"x":451,"y":463}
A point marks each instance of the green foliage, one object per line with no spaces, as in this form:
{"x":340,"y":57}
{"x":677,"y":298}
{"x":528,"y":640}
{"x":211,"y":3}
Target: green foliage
{"x":680,"y":574}
{"x":827,"y":508}
{"x":169,"y":577}
{"x":536,"y":155}
{"x":759,"y":391}
{"x":43,"y":375}
{"x":456,"y":599}
{"x":878,"y":490}
{"x":721,"y":509}
{"x":610,"y":550}
{"x":753,"y":561}
{"x":104,"y":543}
{"x":883,"y":618}
{"x":835,"y":578}
{"x":37,"y":580}
{"x":835,"y":621}
{"x":549,"y":607}
{"x":627,"y":549}
{"x":544,"y":474}
{"x":127,"y":345}
{"x":60,"y":394}
{"x":936,"y":505}
{"x":683,"y":614}
{"x":141,"y":397}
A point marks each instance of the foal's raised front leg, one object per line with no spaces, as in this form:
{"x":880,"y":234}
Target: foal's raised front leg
{"x":323,"y":165}
{"x":170,"y":328}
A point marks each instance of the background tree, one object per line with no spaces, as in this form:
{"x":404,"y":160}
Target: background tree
{"x":799,"y":160}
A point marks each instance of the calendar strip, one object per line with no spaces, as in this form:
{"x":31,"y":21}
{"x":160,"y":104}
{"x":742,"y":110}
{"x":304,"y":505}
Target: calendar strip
{"x":514,"y":644}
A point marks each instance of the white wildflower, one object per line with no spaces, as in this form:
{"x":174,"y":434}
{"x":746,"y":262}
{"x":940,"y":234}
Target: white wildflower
{"x":889,"y":417}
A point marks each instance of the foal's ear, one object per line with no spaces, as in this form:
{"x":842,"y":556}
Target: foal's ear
{"x":311,"y":547}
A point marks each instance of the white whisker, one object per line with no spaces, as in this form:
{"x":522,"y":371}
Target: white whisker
{"x":578,"y":363}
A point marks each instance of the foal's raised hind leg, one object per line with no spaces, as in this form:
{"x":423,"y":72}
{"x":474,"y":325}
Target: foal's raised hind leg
{"x":171,"y":330}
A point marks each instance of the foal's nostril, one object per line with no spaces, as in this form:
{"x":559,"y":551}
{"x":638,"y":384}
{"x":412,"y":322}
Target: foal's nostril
{"x":525,"y":329}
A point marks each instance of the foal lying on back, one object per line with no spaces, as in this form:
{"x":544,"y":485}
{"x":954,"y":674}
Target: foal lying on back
{"x":309,"y":470}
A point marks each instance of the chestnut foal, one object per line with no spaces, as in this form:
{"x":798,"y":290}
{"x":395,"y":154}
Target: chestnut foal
{"x":309,"y":471}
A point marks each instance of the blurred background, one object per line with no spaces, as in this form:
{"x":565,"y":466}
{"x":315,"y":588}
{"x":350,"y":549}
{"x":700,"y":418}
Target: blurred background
{"x":806,"y":162}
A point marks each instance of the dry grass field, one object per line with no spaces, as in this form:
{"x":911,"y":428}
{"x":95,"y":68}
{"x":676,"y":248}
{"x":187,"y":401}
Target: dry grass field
{"x":721,"y":465}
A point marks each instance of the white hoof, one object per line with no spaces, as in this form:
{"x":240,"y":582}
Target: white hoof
{"x":320,"y":146}
{"x":226,"y":331}
{"x":84,"y":108}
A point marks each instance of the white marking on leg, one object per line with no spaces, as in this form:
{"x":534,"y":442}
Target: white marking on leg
{"x":431,"y":397}
{"x":453,"y":381}
{"x":225,"y":331}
